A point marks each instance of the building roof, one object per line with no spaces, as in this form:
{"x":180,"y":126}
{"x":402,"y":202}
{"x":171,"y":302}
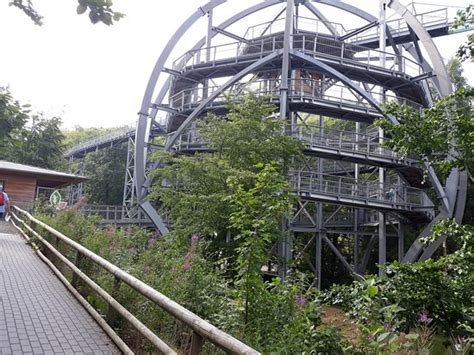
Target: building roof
{"x":43,"y":174}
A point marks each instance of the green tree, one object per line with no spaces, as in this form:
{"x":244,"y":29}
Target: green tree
{"x":40,"y":144}
{"x":465,"y":20}
{"x":256,"y":214}
{"x":106,"y":172}
{"x":249,"y":135}
{"x":441,"y":133}
{"x":13,"y":117}
{"x":98,"y":10}
{"x":104,"y":168}
{"x":80,"y":134}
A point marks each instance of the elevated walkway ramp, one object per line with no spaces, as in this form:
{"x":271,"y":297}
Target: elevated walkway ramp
{"x":38,"y":315}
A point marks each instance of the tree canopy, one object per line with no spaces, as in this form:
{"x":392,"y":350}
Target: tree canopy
{"x":98,"y":11}
{"x":29,"y":138}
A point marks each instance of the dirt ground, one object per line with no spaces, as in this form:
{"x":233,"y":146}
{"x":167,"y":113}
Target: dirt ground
{"x":336,"y":317}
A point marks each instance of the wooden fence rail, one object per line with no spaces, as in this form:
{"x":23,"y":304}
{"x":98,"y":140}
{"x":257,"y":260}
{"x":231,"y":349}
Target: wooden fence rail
{"x":202,"y":330}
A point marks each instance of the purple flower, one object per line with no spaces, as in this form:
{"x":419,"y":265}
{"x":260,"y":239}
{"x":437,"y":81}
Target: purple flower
{"x":423,"y":318}
{"x":300,"y":300}
{"x":386,"y":325}
{"x":186,"y":266}
{"x":370,"y":338}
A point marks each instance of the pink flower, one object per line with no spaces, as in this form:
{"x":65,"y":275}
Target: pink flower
{"x":423,"y":318}
{"x":300,"y":300}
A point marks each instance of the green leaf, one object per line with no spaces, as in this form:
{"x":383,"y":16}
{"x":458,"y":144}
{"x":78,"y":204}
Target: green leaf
{"x":382,"y":337}
{"x":81,"y":9}
{"x":372,"y":291}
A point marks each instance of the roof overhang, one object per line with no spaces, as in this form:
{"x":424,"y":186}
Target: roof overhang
{"x":44,"y":177}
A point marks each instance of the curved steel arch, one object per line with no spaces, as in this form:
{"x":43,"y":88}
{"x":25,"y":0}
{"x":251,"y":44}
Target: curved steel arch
{"x":450,"y":197}
{"x":143,"y":125}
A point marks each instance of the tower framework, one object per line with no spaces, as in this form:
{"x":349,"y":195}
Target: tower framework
{"x":328,"y":81}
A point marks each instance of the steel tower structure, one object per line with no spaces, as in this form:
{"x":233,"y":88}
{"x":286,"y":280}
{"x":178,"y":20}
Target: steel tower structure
{"x":313,"y":69}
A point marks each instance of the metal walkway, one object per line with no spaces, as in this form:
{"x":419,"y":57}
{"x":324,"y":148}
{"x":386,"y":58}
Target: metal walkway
{"x":304,"y":95}
{"x":110,"y":139}
{"x":38,"y":315}
{"x":361,"y":148}
{"x":354,"y":61}
{"x":346,"y":191}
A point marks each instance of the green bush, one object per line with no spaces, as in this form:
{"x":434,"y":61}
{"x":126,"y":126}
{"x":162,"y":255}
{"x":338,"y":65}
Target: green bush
{"x":284,"y":319}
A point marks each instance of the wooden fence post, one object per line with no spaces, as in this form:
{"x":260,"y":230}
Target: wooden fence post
{"x":197,"y":342}
{"x":111,"y":312}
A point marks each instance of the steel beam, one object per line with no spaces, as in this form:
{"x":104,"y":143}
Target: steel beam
{"x":229,"y":83}
{"x":230,"y":35}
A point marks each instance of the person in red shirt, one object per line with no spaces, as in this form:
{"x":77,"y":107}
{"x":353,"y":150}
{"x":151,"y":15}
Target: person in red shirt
{"x":4,"y":202}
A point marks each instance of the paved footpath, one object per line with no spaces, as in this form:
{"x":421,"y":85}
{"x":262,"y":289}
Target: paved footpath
{"x":38,"y":315}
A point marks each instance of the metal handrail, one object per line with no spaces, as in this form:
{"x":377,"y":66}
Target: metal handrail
{"x":399,"y":194}
{"x":363,"y":142}
{"x":298,"y":88}
{"x":111,"y":136}
{"x":272,"y":27}
{"x":397,"y":26}
{"x":346,"y":140}
{"x":115,"y":213}
{"x":368,"y":217}
{"x":313,"y":44}
{"x":202,"y":330}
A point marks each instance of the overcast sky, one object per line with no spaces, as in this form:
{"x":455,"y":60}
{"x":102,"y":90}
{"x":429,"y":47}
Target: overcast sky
{"x":94,"y":75}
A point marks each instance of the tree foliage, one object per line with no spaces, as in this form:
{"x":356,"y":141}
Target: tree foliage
{"x":28,"y":138}
{"x":106,"y":172}
{"x":464,"y":20}
{"x":13,"y":117}
{"x":248,"y":136}
{"x":105,"y":168}
{"x":40,"y":144}
{"x":441,"y":288}
{"x":442,"y":133}
{"x":98,"y":10}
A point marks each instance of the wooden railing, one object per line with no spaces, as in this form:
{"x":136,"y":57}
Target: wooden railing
{"x":202,"y":330}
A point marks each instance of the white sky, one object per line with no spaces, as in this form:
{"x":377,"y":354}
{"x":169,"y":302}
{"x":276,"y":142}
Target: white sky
{"x":94,"y":75}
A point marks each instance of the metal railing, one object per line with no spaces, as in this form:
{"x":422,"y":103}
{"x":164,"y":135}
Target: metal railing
{"x":345,"y":140}
{"x":202,"y":330}
{"x":302,"y":23}
{"x":344,"y":219}
{"x":313,"y":44}
{"x":398,"y":195}
{"x":114,"y":213}
{"x":363,"y":142}
{"x":304,"y":89}
{"x":109,"y":137}
{"x":428,"y":19}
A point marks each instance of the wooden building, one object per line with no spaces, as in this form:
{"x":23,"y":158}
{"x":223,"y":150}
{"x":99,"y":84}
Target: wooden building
{"x":22,"y":182}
